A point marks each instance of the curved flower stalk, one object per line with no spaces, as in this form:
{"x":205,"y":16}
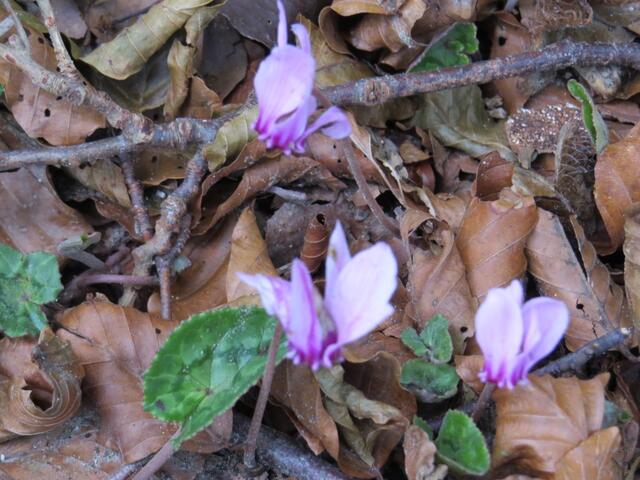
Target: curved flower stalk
{"x":284,"y":85}
{"x":357,"y":294}
{"x":514,"y":335}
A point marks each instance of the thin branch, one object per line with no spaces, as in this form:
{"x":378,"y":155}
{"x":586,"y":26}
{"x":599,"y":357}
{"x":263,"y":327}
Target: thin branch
{"x":564,"y":54}
{"x":371,"y":91}
{"x":482,"y":402}
{"x":164,"y":264}
{"x":148,"y":281}
{"x":143,"y":226}
{"x":22,"y":33}
{"x":573,"y":362}
{"x":158,"y":460}
{"x":172,"y":211}
{"x":358,"y":176}
{"x":256,"y":421}
{"x":65,"y":63}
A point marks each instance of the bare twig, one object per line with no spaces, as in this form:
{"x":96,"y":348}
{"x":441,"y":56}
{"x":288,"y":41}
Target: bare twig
{"x":22,"y":33}
{"x":158,"y":460}
{"x":573,"y":362}
{"x":142,"y":222}
{"x":265,"y":387}
{"x":358,"y":176}
{"x":171,"y":214}
{"x":164,"y":265}
{"x":481,"y":404}
{"x":65,"y":63}
{"x":148,"y":281}
{"x":194,"y":133}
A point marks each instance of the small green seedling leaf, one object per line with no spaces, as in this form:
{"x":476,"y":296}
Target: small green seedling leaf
{"x":451,"y":49}
{"x":431,"y":382}
{"x":461,"y":445}
{"x":591,"y":117}
{"x":422,"y":423}
{"x":206,"y":364}
{"x":437,"y":339}
{"x":412,"y":340}
{"x":26,"y":282}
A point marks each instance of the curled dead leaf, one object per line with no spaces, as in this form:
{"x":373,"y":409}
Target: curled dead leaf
{"x":595,"y":303}
{"x":316,"y":243}
{"x":492,"y":238}
{"x":20,"y":415}
{"x":632,"y":262}
{"x":538,"y":423}
{"x":419,"y":453}
{"x":468,"y":367}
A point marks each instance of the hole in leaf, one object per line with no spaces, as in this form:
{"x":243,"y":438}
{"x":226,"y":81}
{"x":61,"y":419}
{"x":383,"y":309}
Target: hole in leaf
{"x":158,"y":331}
{"x":47,"y":112}
{"x":20,"y":97}
{"x":320,"y":218}
{"x":463,"y":329}
{"x":58,"y":98}
{"x":580,"y":306}
{"x":501,"y":40}
{"x":154,"y":159}
{"x":40,"y":40}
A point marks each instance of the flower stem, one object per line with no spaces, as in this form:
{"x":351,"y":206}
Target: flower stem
{"x":482,"y":402}
{"x":261,"y":404}
{"x":157,"y":461}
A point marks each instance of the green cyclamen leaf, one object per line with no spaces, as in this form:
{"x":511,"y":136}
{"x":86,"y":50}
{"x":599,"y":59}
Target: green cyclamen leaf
{"x":450,"y":49}
{"x":422,"y":423}
{"x":437,"y":339}
{"x":461,"y":445}
{"x":433,"y":382}
{"x":412,"y":340}
{"x":206,"y":364}
{"x":26,"y":282}
{"x":591,"y":117}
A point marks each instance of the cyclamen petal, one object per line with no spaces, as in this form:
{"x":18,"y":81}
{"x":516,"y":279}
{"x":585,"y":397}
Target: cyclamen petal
{"x":357,"y":299}
{"x":284,"y":85}
{"x":513,"y":337}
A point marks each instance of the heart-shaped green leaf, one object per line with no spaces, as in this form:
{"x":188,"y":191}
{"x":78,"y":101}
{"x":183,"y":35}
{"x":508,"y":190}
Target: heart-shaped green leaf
{"x":26,"y":282}
{"x":412,"y":340}
{"x":437,"y":339}
{"x":431,"y":382}
{"x":461,"y":445}
{"x":591,"y":117}
{"x":206,"y":364}
{"x":450,"y":49}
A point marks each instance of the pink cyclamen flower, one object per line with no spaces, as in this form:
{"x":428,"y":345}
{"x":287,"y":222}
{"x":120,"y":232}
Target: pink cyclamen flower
{"x":356,"y":300}
{"x":284,"y":85}
{"x":514,"y":335}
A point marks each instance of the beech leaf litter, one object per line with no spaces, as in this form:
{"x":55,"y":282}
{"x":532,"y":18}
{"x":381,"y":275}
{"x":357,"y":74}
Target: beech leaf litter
{"x":320,"y":239}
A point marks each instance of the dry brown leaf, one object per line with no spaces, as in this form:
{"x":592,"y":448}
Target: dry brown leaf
{"x":116,"y":345}
{"x":592,"y":459}
{"x":419,"y":453}
{"x":491,"y":240}
{"x":248,"y":255}
{"x":201,"y":101}
{"x":468,"y":367}
{"x":538,"y":423}
{"x":153,"y":168}
{"x":105,"y":177}
{"x":347,"y":8}
{"x":509,"y":38}
{"x":296,"y":389}
{"x":615,"y":189}
{"x":33,"y":218}
{"x":594,"y":301}
{"x":438,"y":285}
{"x":631,"y":250}
{"x":20,"y":415}
{"x":40,"y":113}
{"x":392,"y":32}
{"x":180,"y":63}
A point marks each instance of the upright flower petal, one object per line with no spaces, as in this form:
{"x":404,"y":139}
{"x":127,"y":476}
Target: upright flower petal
{"x":303,"y":37}
{"x":337,"y":258}
{"x":545,"y":321}
{"x":304,"y":332}
{"x":282,"y":25}
{"x":285,"y":133}
{"x":499,"y":331}
{"x":274,"y":294}
{"x":359,"y":299}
